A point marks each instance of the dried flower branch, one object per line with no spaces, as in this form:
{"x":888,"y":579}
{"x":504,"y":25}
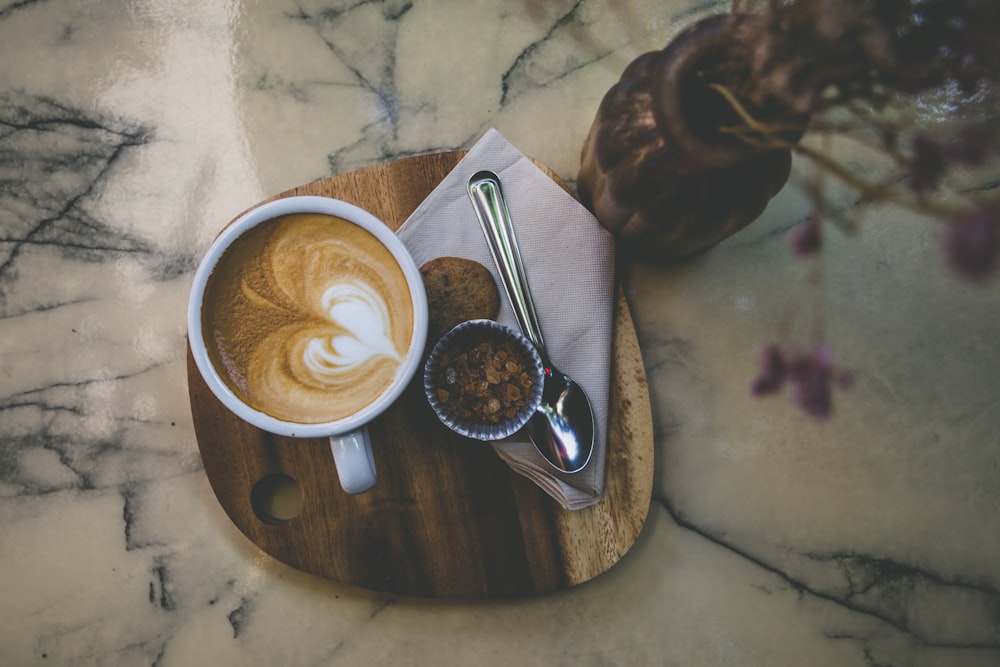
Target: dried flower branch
{"x":852,"y":69}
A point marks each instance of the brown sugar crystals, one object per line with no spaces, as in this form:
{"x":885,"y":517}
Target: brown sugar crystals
{"x":485,"y":381}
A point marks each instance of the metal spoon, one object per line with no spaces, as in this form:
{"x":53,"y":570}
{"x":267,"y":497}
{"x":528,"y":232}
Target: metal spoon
{"x":562,"y":429}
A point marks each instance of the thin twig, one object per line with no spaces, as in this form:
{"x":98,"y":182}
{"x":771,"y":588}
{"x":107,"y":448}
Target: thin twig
{"x":868,"y":191}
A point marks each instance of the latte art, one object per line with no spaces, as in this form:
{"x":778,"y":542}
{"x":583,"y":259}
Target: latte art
{"x":365,"y":320}
{"x":308,"y":318}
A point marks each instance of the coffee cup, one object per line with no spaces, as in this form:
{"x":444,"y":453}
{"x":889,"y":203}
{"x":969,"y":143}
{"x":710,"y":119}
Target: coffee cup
{"x":307,"y":318}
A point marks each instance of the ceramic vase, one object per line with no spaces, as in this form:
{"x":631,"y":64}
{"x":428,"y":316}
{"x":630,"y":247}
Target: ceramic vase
{"x":657,"y":170}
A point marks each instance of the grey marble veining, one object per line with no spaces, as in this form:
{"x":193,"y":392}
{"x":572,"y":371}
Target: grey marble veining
{"x":131,"y":130}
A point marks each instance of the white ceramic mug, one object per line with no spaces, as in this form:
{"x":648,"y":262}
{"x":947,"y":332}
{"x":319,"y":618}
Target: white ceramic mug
{"x":349,"y":439}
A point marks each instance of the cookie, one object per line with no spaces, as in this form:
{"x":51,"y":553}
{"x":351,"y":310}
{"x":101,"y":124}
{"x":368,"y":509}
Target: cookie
{"x":458,"y":289}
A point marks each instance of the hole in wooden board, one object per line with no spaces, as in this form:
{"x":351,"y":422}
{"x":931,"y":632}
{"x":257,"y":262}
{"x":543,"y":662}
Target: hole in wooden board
{"x":276,"y":498}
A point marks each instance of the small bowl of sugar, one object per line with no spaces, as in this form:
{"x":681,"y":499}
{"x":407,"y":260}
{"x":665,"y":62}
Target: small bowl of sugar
{"x":484,"y":380}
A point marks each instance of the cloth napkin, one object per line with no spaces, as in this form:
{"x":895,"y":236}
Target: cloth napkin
{"x":569,"y":261}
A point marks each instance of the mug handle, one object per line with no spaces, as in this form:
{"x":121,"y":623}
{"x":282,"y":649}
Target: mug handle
{"x":352,"y":454}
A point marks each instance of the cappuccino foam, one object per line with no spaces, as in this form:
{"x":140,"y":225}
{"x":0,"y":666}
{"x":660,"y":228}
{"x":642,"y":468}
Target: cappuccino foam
{"x":307,"y":317}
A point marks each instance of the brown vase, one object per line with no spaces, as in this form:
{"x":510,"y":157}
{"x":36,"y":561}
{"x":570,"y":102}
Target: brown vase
{"x":656,"y":171}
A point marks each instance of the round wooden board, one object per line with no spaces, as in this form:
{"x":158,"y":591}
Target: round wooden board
{"x":447,"y":518}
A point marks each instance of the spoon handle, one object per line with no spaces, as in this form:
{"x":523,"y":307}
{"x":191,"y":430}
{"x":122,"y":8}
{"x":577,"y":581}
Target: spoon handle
{"x":491,"y":208}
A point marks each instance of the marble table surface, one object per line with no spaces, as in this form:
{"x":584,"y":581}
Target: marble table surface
{"x":131,"y":130}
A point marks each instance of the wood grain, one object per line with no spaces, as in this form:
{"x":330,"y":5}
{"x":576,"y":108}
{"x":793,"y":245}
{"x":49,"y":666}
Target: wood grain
{"x":447,"y":518}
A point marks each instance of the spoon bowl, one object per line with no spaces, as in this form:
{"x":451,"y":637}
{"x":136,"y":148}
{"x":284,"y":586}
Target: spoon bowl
{"x":562,"y":427}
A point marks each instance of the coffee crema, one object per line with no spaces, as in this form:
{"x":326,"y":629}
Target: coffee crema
{"x":307,"y":317}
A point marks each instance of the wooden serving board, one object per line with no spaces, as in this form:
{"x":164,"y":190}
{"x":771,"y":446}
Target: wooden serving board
{"x":446,"y":518}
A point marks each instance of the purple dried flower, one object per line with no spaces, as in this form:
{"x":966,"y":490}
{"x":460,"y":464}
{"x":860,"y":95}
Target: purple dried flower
{"x":807,"y":236}
{"x":773,"y":371}
{"x":972,"y":243}
{"x":812,"y":375}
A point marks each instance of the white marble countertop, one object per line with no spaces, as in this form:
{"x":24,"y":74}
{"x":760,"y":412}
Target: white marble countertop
{"x":130,"y":131}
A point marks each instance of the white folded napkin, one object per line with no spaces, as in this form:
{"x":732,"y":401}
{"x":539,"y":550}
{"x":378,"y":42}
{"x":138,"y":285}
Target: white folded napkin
{"x":569,"y":260}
